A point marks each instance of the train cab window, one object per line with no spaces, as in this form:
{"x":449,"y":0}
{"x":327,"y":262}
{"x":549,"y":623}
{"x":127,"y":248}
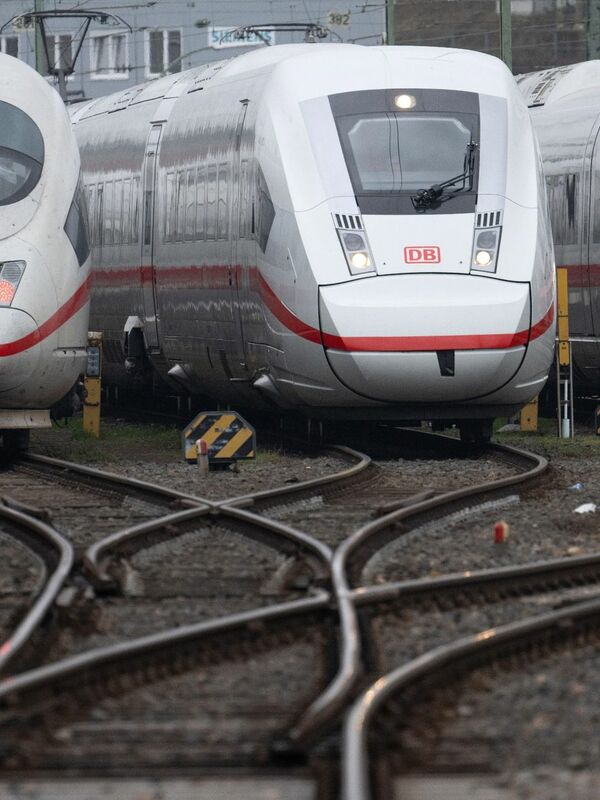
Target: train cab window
{"x":266,"y":211}
{"x":76,"y":226}
{"x":397,"y":143}
{"x":21,"y":154}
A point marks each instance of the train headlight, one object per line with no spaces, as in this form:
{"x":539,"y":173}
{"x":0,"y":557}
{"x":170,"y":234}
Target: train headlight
{"x":357,"y":251}
{"x":486,"y":243}
{"x":10,"y":277}
{"x":483,"y":258}
{"x":360,"y":260}
{"x":405,"y":102}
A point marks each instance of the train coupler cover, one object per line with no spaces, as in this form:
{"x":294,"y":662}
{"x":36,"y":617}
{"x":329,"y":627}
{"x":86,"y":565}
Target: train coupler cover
{"x":229,"y":438}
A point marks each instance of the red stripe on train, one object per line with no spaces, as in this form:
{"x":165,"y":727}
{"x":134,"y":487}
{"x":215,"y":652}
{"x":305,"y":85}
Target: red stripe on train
{"x":57,"y":320}
{"x":390,"y":344}
{"x":218,"y":277}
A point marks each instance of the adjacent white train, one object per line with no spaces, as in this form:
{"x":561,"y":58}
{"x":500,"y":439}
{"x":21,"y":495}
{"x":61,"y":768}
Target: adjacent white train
{"x":565,"y":109}
{"x":353,"y":232}
{"x":44,"y":253}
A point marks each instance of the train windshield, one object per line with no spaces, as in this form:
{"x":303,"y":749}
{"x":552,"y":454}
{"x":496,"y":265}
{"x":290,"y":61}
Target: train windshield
{"x":393,"y":153}
{"x":399,"y":143}
{"x":21,"y":154}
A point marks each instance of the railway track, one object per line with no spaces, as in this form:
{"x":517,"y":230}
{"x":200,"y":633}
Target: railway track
{"x":54,"y":556}
{"x":317,"y":604}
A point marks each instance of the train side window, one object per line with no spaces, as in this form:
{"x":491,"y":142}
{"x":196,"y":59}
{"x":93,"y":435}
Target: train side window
{"x":266,"y":211}
{"x":126,"y":216}
{"x":595,"y":209}
{"x":223,"y":205}
{"x":244,"y":200}
{"x":76,"y":225}
{"x":181,"y":198}
{"x":211,"y":202}
{"x":117,"y":212}
{"x":91,"y":193}
{"x":99,"y":221}
{"x":190,"y":212}
{"x":107,"y":236}
{"x":169,"y":205}
{"x":135,"y":204}
{"x":564,"y":200}
{"x":201,"y":203}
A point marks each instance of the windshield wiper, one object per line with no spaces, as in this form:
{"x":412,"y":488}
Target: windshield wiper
{"x":432,"y":197}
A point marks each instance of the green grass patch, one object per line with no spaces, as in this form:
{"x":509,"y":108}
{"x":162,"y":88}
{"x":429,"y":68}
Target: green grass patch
{"x":119,"y":441}
{"x":546,"y":441}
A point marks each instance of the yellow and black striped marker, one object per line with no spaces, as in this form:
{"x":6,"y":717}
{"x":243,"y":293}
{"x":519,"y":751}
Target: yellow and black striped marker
{"x":227,"y":435}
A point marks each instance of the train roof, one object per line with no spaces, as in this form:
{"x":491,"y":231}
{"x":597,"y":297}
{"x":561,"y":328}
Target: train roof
{"x":550,"y":86}
{"x":306,"y":66}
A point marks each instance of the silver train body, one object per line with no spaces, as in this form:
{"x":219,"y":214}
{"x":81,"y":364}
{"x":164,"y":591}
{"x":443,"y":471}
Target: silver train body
{"x":44,"y":254}
{"x":348,"y":231}
{"x":565,"y":110}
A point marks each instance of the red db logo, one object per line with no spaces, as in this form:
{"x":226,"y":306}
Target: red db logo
{"x":422,"y":255}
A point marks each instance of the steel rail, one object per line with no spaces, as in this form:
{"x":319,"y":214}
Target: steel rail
{"x":362,"y":463}
{"x":80,"y":668}
{"x":331,"y":702}
{"x":96,"y":557}
{"x":279,"y":535}
{"x":355,"y":757}
{"x":533,"y":576}
{"x":45,"y":537}
{"x":111,"y":480}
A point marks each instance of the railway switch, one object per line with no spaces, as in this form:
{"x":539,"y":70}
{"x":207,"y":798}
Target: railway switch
{"x":227,"y":436}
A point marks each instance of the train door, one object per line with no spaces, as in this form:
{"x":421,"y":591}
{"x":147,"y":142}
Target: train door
{"x":238,"y":276}
{"x":148,"y":277}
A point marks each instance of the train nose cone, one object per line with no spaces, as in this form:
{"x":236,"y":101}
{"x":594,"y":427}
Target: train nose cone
{"x":425,"y":338}
{"x":19,"y":352}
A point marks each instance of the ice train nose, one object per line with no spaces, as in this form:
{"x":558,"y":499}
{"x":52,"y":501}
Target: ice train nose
{"x":19,"y":351}
{"x":425,"y":338}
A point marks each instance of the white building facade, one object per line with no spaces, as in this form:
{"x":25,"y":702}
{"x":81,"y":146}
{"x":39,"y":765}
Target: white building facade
{"x":171,"y":37}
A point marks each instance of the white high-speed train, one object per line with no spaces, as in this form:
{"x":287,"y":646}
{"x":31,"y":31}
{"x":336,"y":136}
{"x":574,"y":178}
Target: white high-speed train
{"x":354,"y":232}
{"x":44,"y":253}
{"x":565,"y":110}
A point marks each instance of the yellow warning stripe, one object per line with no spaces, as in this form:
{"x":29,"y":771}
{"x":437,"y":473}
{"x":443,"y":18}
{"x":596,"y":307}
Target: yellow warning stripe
{"x":217,"y":428}
{"x":234,"y":444}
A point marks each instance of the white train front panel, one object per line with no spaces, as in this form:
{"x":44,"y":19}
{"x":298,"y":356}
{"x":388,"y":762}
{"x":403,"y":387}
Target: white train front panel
{"x":346,"y":230}
{"x":44,"y":257}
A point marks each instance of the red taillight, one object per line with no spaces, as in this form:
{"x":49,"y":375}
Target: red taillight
{"x":10,"y":277}
{"x":7,"y":292}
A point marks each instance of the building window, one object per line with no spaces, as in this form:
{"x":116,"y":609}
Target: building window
{"x":60,"y":51}
{"x":9,"y":45}
{"x":163,"y":51}
{"x":109,"y":56}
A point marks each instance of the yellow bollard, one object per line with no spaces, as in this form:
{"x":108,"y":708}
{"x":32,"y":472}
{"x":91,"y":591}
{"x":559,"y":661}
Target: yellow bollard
{"x":529,"y":416}
{"x":92,"y":385}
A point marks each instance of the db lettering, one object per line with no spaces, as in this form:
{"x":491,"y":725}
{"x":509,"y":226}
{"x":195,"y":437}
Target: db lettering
{"x":422,"y":255}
